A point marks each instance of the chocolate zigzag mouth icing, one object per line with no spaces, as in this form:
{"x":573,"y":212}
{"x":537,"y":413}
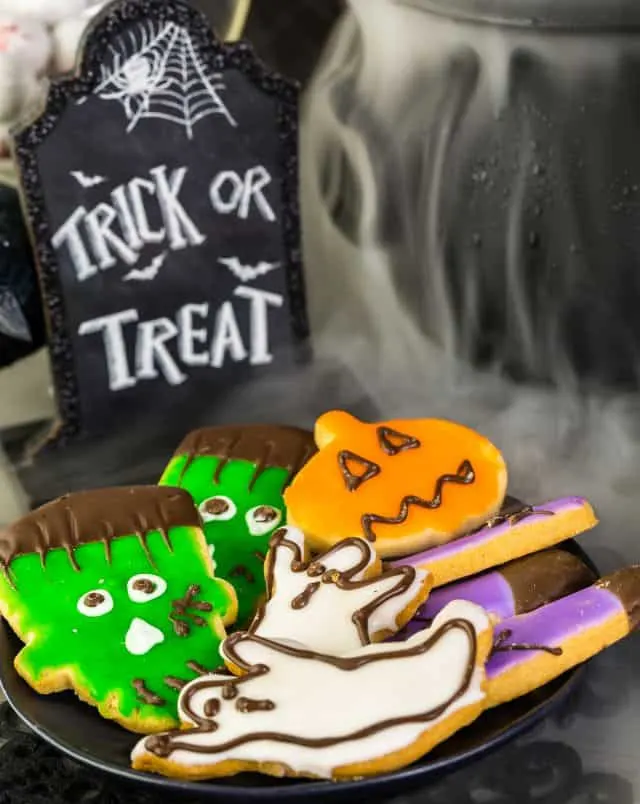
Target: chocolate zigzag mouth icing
{"x":464,"y":476}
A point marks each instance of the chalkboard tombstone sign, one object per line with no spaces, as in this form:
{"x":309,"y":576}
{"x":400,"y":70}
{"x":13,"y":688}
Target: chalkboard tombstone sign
{"x":161,"y":184}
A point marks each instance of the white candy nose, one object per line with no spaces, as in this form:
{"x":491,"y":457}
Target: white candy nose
{"x":142,"y":636}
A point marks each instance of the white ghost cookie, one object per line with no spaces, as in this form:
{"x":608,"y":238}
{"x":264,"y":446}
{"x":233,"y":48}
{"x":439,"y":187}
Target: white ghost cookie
{"x":296,"y":712}
{"x":340,"y":600}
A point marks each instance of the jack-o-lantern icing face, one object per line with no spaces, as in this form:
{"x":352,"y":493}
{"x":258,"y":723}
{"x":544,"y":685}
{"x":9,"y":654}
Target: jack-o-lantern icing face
{"x":406,"y":485}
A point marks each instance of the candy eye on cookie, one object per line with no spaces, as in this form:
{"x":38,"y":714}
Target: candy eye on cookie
{"x":217,"y":509}
{"x":144,"y":588}
{"x":96,"y":603}
{"x":262,"y":519}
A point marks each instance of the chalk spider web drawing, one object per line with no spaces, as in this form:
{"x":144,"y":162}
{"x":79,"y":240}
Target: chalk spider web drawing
{"x":156,"y":73}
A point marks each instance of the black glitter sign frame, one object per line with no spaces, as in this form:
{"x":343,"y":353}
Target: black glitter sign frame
{"x":131,"y":100}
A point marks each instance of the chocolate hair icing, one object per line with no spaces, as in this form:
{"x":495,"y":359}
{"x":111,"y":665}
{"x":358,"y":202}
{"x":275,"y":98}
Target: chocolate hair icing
{"x":163,"y":745}
{"x":464,"y":476}
{"x":625,"y":585}
{"x":343,"y":580}
{"x":98,"y":516}
{"x":268,"y":446}
{"x":548,"y":575}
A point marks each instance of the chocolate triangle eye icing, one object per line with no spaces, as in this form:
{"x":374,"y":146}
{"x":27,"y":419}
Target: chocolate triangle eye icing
{"x":353,"y":479}
{"x":392,"y":442}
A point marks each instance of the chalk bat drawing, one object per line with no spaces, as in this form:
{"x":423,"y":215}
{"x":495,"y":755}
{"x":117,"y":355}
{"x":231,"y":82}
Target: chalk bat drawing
{"x":247,"y":273}
{"x":149,"y":273}
{"x":155,"y":72}
{"x":87,"y":181}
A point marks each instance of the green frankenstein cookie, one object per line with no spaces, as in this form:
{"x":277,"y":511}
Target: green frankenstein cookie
{"x":237,"y":476}
{"x":113,"y":593}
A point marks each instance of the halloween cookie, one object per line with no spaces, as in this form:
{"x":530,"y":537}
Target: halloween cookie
{"x":289,"y":711}
{"x":113,"y":594}
{"x":404,"y":485}
{"x":237,"y":476}
{"x":515,"y":588}
{"x":516,"y":531}
{"x":532,"y":649}
{"x":365,"y":604}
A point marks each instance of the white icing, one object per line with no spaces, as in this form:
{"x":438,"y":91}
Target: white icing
{"x":314,"y":699}
{"x":325,"y":624}
{"x":258,"y":528}
{"x":142,"y":637}
{"x":139,"y":595}
{"x":223,"y":516}
{"x":104,"y":607}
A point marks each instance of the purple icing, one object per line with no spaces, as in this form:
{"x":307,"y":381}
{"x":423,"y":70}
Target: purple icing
{"x":552,"y":624}
{"x":490,"y":591}
{"x":486,"y":534}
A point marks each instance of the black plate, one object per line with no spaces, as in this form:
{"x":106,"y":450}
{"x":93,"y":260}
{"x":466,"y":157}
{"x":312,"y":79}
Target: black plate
{"x":77,"y":730}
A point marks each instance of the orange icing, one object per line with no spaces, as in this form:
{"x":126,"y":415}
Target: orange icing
{"x":320,"y":502}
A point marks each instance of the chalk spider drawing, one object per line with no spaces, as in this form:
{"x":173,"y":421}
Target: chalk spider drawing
{"x":156,"y":72}
{"x":134,"y":83}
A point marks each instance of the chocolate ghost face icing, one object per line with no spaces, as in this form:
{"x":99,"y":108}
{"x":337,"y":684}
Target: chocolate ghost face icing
{"x":114,"y":591}
{"x":236,"y":477}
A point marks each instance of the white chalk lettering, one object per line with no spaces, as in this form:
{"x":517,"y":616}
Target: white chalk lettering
{"x":126,"y":219}
{"x":260,"y":300}
{"x":230,"y":192}
{"x":111,"y":327}
{"x":199,"y":338}
{"x":136,"y":188}
{"x":181,"y":229}
{"x":98,"y":223}
{"x":227,"y":337}
{"x":234,"y":192}
{"x":190,"y":336}
{"x":69,"y":234}
{"x":118,"y":231}
{"x":152,"y":352}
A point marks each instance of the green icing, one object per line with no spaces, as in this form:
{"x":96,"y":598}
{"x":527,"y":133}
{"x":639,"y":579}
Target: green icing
{"x":234,"y":546}
{"x":42,"y":606}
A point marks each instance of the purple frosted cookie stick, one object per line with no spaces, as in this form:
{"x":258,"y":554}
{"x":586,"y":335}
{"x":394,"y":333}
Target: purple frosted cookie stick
{"x":532,"y":649}
{"x":517,"y":531}
{"x":516,"y":588}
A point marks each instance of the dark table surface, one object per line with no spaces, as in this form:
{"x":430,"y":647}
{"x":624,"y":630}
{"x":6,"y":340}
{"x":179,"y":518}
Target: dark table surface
{"x":587,"y":753}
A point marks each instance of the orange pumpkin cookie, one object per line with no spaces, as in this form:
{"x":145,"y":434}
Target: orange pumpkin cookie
{"x":406,"y":484}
